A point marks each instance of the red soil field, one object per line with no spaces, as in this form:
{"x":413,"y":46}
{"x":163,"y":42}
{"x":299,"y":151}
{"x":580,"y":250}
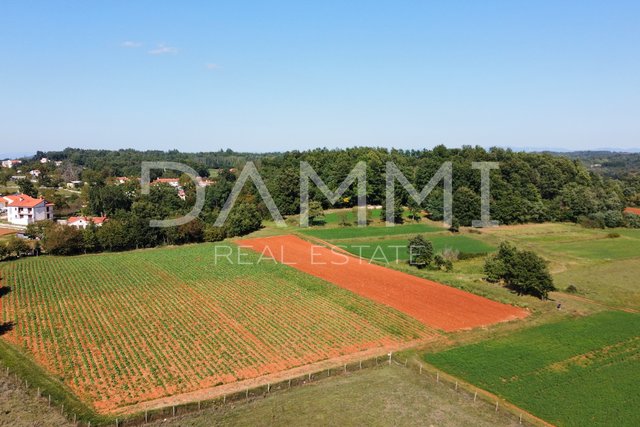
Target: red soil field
{"x":5,"y":231}
{"x":430,"y":302}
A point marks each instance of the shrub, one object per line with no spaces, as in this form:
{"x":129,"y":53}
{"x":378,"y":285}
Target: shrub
{"x":613,"y":235}
{"x":214,"y":234}
{"x":571,"y":289}
{"x":450,"y":254}
{"x":631,"y":220}
{"x":420,"y":251}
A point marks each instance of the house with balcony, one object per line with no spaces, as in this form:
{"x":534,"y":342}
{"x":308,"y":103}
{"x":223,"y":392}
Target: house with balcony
{"x":24,"y":210}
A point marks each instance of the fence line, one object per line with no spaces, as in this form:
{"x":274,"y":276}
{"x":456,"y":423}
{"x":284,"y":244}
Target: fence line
{"x":491,"y":400}
{"x":254,"y":393}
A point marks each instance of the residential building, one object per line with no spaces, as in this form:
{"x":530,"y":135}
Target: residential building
{"x":24,"y":210}
{"x":83,"y":221}
{"x":10,"y":163}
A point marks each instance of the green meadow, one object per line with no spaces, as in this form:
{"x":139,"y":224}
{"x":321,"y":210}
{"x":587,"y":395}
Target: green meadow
{"x":353,"y":232}
{"x":575,"y":372}
{"x":396,"y":249}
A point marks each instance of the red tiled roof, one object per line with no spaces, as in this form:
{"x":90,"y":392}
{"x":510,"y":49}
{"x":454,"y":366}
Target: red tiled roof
{"x":94,"y":219}
{"x":635,"y":211}
{"x":23,"y":201}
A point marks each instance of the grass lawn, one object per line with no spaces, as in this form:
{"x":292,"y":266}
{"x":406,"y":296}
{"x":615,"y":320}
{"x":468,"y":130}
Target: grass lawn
{"x":602,"y":268}
{"x":374,"y":397}
{"x":370,"y":231}
{"x":576,"y":372}
{"x":389,"y":250}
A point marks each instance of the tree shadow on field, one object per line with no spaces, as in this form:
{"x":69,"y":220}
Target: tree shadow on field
{"x":4,"y":290}
{"x":6,"y":327}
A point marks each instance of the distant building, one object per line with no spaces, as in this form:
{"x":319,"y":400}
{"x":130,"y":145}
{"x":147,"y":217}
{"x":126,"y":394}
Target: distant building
{"x":10,"y":163}
{"x":174,"y":182}
{"x":25,"y":210}
{"x":44,"y":160}
{"x":34,"y":173}
{"x":120,"y":179}
{"x":83,"y":221}
{"x":204,"y":182}
{"x":74,"y":184}
{"x":634,"y":211}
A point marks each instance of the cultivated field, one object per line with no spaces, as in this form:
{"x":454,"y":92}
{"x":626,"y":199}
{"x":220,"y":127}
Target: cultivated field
{"x":127,"y":327}
{"x":432,"y":303}
{"x":576,"y":372}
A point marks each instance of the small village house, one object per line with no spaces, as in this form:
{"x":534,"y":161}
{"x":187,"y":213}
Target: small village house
{"x":24,"y":210}
{"x":10,"y":163}
{"x":83,"y":221}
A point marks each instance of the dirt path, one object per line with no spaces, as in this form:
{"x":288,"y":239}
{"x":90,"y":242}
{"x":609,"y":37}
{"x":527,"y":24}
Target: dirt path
{"x":240,"y":386}
{"x":432,"y":303}
{"x":558,"y":296}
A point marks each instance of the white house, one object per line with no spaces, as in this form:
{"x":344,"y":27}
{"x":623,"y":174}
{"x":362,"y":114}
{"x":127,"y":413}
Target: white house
{"x":10,"y":163}
{"x":25,"y":210}
{"x":83,"y":221}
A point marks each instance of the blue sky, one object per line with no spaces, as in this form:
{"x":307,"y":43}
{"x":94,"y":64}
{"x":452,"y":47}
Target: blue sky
{"x":282,"y":75}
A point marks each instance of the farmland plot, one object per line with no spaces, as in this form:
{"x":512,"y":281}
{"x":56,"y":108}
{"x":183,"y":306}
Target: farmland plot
{"x":124,"y":328}
{"x":575,"y":372}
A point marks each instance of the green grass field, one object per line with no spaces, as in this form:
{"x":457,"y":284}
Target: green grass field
{"x":370,"y":231}
{"x":389,"y":250}
{"x":334,"y":217}
{"x":373,"y":397}
{"x":576,"y":372}
{"x":600,"y":267}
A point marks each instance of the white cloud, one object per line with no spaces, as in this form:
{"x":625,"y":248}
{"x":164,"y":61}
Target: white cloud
{"x":211,"y":66}
{"x":162,"y":49}
{"x":131,"y":44}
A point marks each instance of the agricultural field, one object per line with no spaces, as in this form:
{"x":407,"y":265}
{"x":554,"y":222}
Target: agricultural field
{"x":369,"y":232}
{"x":575,"y":372}
{"x":434,"y":304}
{"x":602,"y":264}
{"x":391,"y":250}
{"x":122,"y":328}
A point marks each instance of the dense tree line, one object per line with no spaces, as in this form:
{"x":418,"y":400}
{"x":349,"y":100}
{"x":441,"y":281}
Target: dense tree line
{"x":528,"y":187}
{"x":126,"y":162}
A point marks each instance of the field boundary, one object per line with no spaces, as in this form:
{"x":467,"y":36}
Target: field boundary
{"x":56,"y":395}
{"x":461,"y":386}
